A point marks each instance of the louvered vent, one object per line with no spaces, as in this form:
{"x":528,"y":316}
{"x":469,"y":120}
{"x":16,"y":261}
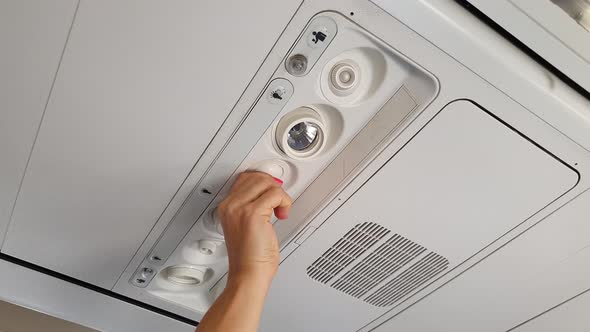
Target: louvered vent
{"x":380,"y":276}
{"x":412,"y":278}
{"x":377,"y":266}
{"x":345,"y":251}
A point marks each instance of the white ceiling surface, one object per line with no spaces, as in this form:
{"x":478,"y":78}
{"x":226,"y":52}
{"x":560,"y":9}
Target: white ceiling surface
{"x":148,"y":168}
{"x":543,"y":267}
{"x":484,"y":52}
{"x":547,"y":30}
{"x":125,"y":124}
{"x":20,"y":319}
{"x":33,"y":35}
{"x":40,"y":292}
{"x":439,"y":188}
{"x":571,"y":316}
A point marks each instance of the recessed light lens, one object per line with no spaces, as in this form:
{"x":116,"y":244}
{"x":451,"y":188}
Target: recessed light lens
{"x":297,"y":64}
{"x":302,"y":136}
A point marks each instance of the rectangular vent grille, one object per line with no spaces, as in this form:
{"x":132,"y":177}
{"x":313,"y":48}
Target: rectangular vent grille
{"x":378,"y":265}
{"x":409,"y":280}
{"x":345,"y":251}
{"x":373,"y":266}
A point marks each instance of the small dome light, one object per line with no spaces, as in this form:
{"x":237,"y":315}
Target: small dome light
{"x":297,"y":65}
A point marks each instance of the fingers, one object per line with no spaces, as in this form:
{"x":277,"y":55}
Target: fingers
{"x":275,"y":199}
{"x":282,"y":212}
{"x":261,"y":192}
{"x":251,"y":185}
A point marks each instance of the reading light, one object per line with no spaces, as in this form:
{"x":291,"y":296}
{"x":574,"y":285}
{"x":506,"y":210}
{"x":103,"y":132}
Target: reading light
{"x":301,"y":134}
{"x":297,"y":65}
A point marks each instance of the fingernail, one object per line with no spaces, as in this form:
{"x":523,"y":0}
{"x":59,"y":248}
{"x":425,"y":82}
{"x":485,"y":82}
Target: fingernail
{"x":279,"y":181}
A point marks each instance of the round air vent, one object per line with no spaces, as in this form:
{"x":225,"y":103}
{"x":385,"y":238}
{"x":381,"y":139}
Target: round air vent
{"x":353,"y":76}
{"x":185,"y":275}
{"x":344,"y":77}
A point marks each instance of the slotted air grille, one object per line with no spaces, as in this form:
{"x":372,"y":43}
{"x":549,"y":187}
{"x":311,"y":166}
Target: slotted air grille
{"x":409,"y":280}
{"x":345,"y":251}
{"x":377,"y":266}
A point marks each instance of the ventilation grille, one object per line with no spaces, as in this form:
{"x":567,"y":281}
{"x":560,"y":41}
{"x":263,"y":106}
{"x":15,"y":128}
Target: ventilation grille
{"x":345,"y":251}
{"x":381,"y":276}
{"x":412,"y":278}
{"x":377,"y":266}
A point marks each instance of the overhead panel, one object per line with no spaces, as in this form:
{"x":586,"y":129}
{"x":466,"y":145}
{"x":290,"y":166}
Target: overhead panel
{"x":569,"y":316}
{"x":142,"y":89}
{"x":406,"y":167}
{"x":33,"y":35}
{"x":447,"y":178}
{"x":461,"y":183}
{"x":346,"y":90}
{"x":557,"y":30}
{"x":542,"y":268}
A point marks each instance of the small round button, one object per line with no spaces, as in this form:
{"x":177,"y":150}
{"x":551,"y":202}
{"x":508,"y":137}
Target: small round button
{"x":276,"y":168}
{"x":271,"y":168}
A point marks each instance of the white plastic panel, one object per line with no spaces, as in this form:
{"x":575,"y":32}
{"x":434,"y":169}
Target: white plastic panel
{"x":556,"y":22}
{"x":547,"y":30}
{"x":59,"y":298}
{"x":571,"y":316}
{"x":467,"y":40}
{"x":543,"y":267}
{"x":135,"y":103}
{"x":33,"y":34}
{"x":387,"y":80}
{"x":478,"y":53}
{"x":438,"y":193}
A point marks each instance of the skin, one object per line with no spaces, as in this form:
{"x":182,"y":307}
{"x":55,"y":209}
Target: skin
{"x":253,"y":251}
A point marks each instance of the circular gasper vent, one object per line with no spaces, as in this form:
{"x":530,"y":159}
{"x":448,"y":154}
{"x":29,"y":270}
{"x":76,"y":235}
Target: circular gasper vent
{"x":186,"y":275}
{"x":344,"y":77}
{"x":353,"y":76}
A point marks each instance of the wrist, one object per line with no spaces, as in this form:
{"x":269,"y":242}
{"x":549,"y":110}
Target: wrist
{"x":251,"y":280}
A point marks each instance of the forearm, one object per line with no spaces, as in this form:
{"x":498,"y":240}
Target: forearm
{"x":238,"y":308}
{"x":252,"y":250}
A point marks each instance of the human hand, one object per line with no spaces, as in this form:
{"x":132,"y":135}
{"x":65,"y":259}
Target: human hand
{"x":245,"y":216}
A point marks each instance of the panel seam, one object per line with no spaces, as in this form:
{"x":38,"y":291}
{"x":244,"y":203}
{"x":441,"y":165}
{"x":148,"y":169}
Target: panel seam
{"x":20,"y":185}
{"x":199,"y":181}
{"x":548,"y":310}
